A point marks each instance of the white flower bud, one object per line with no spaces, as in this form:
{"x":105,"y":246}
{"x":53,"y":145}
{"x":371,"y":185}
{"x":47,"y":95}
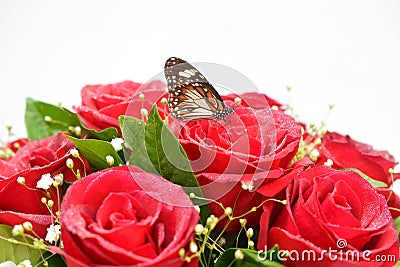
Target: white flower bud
{"x":110,"y":160}
{"x":74,"y":152}
{"x":17,"y":230}
{"x":27,"y":226}
{"x":198,"y":229}
{"x":144,"y":112}
{"x":21,"y":180}
{"x":239,"y":255}
{"x":70,"y":163}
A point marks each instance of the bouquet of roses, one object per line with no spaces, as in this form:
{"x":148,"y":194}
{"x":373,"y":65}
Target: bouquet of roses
{"x":122,"y":182}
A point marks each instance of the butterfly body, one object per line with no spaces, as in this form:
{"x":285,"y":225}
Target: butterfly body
{"x":190,"y":95}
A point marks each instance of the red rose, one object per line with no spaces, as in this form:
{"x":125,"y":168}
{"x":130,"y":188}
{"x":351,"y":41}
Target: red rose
{"x":17,"y":144}
{"x":255,"y":100}
{"x":227,"y":156}
{"x":392,"y":199}
{"x":103,"y":104}
{"x":331,"y":210}
{"x":348,"y":153}
{"x":109,"y":220}
{"x":47,"y":156}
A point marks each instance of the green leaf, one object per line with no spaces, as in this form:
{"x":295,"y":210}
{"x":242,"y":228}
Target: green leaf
{"x":374,"y":183}
{"x":36,"y":125}
{"x":155,"y":149}
{"x":133,"y":131}
{"x":250,"y":258}
{"x":96,"y":151}
{"x":166,"y":153}
{"x":107,"y":134}
{"x":59,"y":120}
{"x":13,"y":252}
{"x":53,"y":260}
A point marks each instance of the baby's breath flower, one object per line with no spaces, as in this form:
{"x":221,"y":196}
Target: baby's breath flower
{"x":197,"y":208}
{"x":239,"y":254}
{"x":45,"y":182}
{"x":251,"y":243}
{"x":74,"y":152}
{"x":250,"y":233}
{"x":59,"y":178}
{"x":17,"y":230}
{"x":27,"y":226}
{"x":228,"y":211}
{"x":78,"y":130}
{"x":25,"y":263}
{"x":21,"y":180}
{"x":70,"y":163}
{"x":117,"y":143}
{"x":181,"y":252}
{"x":247,"y":185}
{"x":315,"y":153}
{"x":198,"y":229}
{"x":53,"y":233}
{"x":144,"y":112}
{"x":193,"y":247}
{"x":328,"y":163}
{"x":110,"y":160}
{"x":50,"y":203}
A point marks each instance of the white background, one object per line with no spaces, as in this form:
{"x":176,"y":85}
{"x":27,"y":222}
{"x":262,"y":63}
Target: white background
{"x":345,"y":53}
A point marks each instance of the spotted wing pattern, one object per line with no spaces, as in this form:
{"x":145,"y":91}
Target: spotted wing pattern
{"x":191,"y":96}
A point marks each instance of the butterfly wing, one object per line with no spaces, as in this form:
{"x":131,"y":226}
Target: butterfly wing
{"x":191,"y":96}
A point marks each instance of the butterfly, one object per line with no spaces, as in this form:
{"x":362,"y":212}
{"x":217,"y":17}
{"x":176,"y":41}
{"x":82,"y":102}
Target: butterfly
{"x":190,"y":95}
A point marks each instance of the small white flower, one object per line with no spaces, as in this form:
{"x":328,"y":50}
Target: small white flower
{"x":53,"y":233}
{"x":74,"y":152}
{"x":164,"y":101}
{"x":21,"y":180}
{"x":59,"y":178}
{"x":110,"y":160}
{"x":17,"y":230}
{"x":70,"y":163}
{"x":117,"y":143}
{"x":45,"y":182}
{"x":247,"y":185}
{"x":25,"y":263}
{"x":144,"y":112}
{"x":328,"y":163}
{"x":8,"y":264}
{"x":239,"y":255}
{"x":238,"y":100}
{"x":315,"y":153}
{"x":27,"y":226}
